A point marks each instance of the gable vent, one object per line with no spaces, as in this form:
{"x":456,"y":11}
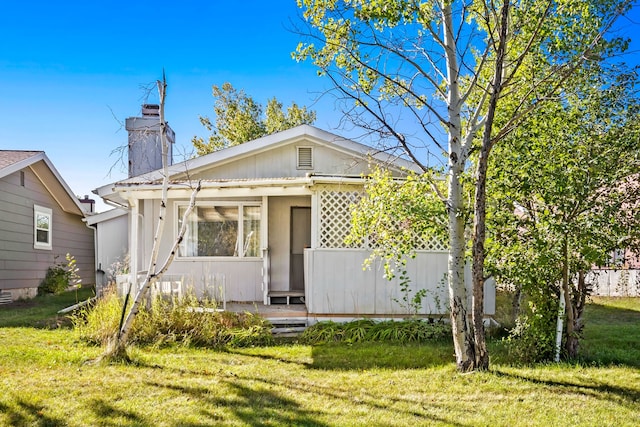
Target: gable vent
{"x":305,"y":158}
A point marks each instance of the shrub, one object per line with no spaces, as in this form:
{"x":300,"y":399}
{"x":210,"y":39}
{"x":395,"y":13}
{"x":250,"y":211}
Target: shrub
{"x":60,"y":276}
{"x":533,"y":337}
{"x":363,"y":330}
{"x":185,"y":321}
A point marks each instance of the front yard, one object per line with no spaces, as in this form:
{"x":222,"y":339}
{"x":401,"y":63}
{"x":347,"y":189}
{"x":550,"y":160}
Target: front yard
{"x":46,"y":380}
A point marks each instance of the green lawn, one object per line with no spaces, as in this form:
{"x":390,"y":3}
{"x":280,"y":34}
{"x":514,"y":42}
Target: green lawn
{"x":45,"y":380}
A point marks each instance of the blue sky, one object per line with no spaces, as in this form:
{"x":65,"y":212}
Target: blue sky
{"x":71,"y":72}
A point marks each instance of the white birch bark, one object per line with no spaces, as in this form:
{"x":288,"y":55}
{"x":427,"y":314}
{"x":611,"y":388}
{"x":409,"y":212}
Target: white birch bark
{"x":118,"y":346}
{"x":457,"y":290}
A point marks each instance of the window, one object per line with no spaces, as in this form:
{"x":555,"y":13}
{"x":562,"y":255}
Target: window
{"x":305,"y":158}
{"x":41,"y":227}
{"x":221,"y":230}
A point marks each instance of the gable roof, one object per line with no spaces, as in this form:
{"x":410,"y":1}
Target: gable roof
{"x":181,"y":170}
{"x":12,"y":161}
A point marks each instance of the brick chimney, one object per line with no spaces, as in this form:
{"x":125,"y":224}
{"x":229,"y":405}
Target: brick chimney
{"x":145,"y":148}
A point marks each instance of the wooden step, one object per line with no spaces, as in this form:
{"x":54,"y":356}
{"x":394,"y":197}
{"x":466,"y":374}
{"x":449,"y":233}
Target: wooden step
{"x":287,"y":295}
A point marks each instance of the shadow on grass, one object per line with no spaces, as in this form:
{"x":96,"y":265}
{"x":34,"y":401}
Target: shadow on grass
{"x":249,"y":405}
{"x":256,"y":402}
{"x":626,"y":395}
{"x":25,"y":414}
{"x":110,"y":415}
{"x":381,"y":355}
{"x":367,"y":355}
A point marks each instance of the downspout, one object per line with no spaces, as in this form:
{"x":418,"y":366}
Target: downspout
{"x":95,"y":253}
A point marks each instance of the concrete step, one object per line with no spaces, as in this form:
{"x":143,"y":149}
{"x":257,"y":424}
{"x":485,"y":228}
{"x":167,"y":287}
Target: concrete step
{"x":288,"y":327}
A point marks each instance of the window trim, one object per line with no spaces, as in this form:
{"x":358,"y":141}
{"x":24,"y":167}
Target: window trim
{"x":41,"y":210}
{"x":205,"y":204}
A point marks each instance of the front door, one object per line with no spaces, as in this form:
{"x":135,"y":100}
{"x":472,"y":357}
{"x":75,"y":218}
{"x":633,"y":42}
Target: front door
{"x":300,"y":239}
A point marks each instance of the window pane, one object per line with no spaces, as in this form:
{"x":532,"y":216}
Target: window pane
{"x":251,"y":231}
{"x":218,"y":231}
{"x":42,"y":221}
{"x":189,"y":244}
{"x":42,"y":236}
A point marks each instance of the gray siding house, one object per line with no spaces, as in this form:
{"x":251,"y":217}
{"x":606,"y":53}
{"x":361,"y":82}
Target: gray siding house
{"x":269,"y":227}
{"x":41,"y":220}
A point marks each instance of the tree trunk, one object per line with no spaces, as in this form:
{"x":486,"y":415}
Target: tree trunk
{"x":573,"y":340}
{"x":462,"y":337}
{"x":117,"y":348}
{"x":480,"y":209}
{"x":458,"y":301}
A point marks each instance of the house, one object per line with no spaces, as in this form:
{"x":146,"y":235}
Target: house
{"x":270,"y":223}
{"x":112,"y":244}
{"x":40,"y":222}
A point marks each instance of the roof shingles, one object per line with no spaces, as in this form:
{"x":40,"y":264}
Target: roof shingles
{"x":9,"y":157}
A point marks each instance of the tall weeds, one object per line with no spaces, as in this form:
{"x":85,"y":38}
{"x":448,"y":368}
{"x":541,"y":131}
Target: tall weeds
{"x":185,"y":321}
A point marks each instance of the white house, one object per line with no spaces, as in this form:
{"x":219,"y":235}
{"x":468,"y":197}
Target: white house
{"x":270,"y":223}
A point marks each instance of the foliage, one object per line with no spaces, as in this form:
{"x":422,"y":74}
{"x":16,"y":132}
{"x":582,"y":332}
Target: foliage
{"x":394,"y":214}
{"x":161,"y":322}
{"x":367,"y":330}
{"x":477,"y":69}
{"x":533,"y":339}
{"x":239,"y":118}
{"x":60,"y":277}
{"x":565,"y":195}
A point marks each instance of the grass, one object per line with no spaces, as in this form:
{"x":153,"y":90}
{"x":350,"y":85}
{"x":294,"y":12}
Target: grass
{"x":42,"y":310}
{"x":45,"y":380}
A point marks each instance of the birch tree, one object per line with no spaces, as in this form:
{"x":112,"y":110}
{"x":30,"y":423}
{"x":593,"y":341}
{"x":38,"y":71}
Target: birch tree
{"x":430,"y":78}
{"x":117,"y":347}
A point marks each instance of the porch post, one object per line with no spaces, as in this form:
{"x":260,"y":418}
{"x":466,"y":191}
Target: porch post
{"x":264,"y":241}
{"x":315,"y":205}
{"x":133,"y":242}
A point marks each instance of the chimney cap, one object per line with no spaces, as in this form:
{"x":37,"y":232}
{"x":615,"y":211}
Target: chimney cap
{"x":150,"y":110}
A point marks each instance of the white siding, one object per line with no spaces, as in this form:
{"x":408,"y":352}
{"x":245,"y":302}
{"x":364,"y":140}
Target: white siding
{"x":282,"y":162}
{"x":337,"y":284}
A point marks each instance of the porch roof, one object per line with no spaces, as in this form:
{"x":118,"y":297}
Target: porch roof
{"x":123,"y":191}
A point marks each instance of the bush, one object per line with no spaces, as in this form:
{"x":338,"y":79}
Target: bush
{"x":367,"y":330}
{"x":533,"y":337}
{"x":59,"y":276}
{"x":185,"y":321}
{"x":56,"y":281}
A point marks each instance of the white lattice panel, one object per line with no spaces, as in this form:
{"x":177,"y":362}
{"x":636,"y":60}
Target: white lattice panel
{"x":335,"y":216}
{"x":335,"y":221}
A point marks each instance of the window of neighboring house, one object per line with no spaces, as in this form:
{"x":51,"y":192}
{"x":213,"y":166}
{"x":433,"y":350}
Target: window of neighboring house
{"x":221,"y":230}
{"x":42,"y":220}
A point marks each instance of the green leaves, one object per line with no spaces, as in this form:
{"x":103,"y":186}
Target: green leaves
{"x":239,"y":118}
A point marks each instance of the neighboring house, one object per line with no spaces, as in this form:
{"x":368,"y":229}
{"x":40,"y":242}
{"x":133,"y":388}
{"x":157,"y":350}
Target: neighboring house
{"x":270,"y":223}
{"x":40,"y":222}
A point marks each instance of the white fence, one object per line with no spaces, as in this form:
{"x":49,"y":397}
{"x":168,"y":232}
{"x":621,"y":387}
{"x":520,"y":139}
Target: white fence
{"x":615,"y":283}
